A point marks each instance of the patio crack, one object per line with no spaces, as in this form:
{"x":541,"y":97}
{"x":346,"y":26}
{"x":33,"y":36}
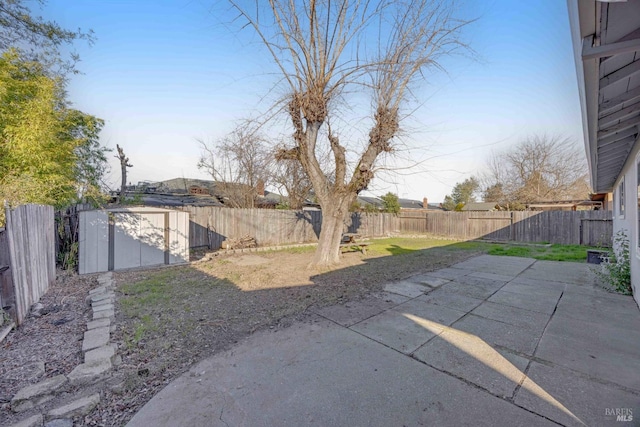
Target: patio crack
{"x":535,"y":350}
{"x":222,"y":412}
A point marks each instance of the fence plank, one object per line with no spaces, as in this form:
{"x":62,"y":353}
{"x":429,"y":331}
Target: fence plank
{"x":7,"y":293}
{"x":31,"y":247}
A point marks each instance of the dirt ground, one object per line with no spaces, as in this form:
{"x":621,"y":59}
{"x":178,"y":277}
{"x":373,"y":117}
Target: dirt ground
{"x":169,"y":318}
{"x":45,"y":346}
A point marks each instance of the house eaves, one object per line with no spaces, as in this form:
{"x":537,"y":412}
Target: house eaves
{"x":606,"y":45}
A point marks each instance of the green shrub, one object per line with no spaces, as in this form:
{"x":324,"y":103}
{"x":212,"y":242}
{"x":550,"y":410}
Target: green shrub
{"x":616,"y":270}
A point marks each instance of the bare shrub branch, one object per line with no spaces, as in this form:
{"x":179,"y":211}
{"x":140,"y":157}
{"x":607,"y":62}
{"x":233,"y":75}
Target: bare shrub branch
{"x":538,"y":169}
{"x":237,"y":163}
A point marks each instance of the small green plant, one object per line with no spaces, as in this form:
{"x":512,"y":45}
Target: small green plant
{"x":4,"y":317}
{"x":616,"y":269}
{"x":67,"y":256}
{"x":370,"y":209}
{"x":135,"y":200}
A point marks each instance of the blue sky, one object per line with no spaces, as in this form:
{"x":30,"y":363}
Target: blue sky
{"x":164,"y":73}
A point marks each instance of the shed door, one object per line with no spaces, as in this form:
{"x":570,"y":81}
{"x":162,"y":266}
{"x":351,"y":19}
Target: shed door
{"x":151,"y":239}
{"x":138,"y":240}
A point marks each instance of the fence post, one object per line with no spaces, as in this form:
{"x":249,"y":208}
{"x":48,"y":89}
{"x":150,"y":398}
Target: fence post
{"x":581,"y":239}
{"x":512,"y":229}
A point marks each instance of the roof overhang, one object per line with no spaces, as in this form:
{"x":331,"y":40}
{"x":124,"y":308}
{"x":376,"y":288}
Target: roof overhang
{"x":606,"y":45}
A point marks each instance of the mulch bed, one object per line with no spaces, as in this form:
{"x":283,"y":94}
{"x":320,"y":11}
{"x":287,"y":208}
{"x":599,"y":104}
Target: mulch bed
{"x":52,"y":341}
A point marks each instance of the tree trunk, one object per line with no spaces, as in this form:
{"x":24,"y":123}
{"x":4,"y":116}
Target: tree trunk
{"x":124,"y":164}
{"x":328,"y":251}
{"x":123,"y":186}
{"x":334,"y":215}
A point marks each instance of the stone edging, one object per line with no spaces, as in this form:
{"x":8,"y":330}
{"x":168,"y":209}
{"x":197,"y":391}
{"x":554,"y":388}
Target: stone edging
{"x":99,"y":359}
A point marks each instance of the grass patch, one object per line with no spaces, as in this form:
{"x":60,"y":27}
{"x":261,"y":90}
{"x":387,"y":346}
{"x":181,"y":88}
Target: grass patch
{"x":148,"y":292}
{"x":397,"y":246}
{"x":546,"y":252}
{"x":300,"y":249}
{"x":405,"y":245}
{"x":519,"y":251}
{"x":555,"y":252}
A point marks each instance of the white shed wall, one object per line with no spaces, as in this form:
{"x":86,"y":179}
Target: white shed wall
{"x":179,"y":238}
{"x":139,"y":239}
{"x":93,"y":242}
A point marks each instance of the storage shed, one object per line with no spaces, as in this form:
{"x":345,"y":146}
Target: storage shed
{"x":122,"y":238}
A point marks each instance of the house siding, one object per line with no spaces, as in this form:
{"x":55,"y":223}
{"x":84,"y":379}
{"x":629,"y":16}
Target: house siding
{"x":629,"y":222}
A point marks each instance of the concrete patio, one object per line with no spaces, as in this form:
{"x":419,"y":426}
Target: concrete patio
{"x":490,"y":341}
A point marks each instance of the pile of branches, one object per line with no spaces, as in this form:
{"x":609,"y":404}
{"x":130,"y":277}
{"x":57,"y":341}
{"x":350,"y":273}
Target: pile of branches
{"x":240,"y":243}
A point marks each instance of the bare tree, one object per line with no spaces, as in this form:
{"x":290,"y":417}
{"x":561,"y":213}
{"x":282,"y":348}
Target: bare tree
{"x":540,"y":168}
{"x":237,"y":163}
{"x":331,"y":51}
{"x":289,"y":175}
{"x":124,"y":164}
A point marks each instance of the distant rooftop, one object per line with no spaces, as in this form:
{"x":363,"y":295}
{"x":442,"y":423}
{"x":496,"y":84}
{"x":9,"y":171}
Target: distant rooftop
{"x":479,"y":206}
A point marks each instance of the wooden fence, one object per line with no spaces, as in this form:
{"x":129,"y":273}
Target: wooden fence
{"x":6,"y":283}
{"x":27,"y":248}
{"x":592,"y":228}
{"x":209,"y":226}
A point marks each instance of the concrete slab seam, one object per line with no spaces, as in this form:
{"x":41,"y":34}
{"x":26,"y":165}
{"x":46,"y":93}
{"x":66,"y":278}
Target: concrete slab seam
{"x":535,"y":350}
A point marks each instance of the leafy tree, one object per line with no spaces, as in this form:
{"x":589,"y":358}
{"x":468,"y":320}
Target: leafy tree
{"x":448,"y":204}
{"x":91,"y":164}
{"x":390,"y":203}
{"x":540,"y":168}
{"x":462,"y":193}
{"x":329,"y":52}
{"x":48,"y":151}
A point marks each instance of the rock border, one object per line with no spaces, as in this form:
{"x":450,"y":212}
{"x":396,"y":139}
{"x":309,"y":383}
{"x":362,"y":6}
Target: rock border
{"x":99,"y":359}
